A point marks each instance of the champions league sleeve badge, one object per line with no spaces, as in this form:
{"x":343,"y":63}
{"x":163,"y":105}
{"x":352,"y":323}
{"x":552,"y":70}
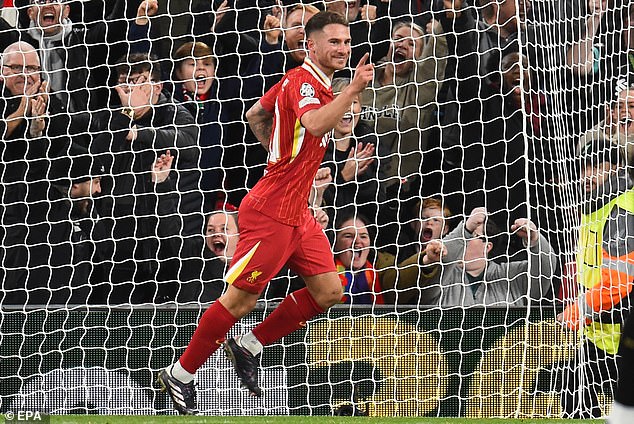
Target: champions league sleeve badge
{"x":307,"y":90}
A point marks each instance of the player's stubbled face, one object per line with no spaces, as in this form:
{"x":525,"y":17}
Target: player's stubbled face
{"x":330,"y":47}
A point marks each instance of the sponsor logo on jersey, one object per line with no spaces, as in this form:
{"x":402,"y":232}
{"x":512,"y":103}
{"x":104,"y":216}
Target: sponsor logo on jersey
{"x":309,"y":101}
{"x":324,"y":140}
{"x":307,"y":90}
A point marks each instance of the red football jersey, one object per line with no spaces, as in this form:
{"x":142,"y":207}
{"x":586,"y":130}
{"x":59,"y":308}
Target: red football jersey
{"x":294,"y":153}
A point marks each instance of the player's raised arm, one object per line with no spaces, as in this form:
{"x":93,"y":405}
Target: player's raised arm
{"x":319,"y":121}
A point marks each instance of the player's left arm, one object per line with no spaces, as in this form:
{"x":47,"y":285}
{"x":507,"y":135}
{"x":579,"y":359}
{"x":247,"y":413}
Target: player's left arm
{"x":261,"y":123}
{"x":260,"y":115}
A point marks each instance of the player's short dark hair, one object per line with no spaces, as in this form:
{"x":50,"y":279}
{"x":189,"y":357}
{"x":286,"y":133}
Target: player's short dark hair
{"x":321,"y":19}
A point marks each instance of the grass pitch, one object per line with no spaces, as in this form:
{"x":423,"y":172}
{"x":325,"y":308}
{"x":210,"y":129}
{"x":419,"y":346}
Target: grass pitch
{"x":165,"y":419}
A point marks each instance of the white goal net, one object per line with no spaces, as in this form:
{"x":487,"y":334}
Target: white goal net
{"x":476,"y":197}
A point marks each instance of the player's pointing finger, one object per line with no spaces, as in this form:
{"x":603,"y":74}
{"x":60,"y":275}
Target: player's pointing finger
{"x":363,"y":60}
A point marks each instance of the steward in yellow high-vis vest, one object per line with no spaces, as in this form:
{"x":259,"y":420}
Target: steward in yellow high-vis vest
{"x":605,"y":270}
{"x":605,"y":267}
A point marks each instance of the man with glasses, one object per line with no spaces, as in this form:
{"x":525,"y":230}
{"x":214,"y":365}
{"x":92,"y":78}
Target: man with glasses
{"x":128,"y":139}
{"x":31,"y":129}
{"x":468,"y":275}
{"x":24,"y":98}
{"x":33,"y":133}
{"x":74,"y":55}
{"x":23,"y":103}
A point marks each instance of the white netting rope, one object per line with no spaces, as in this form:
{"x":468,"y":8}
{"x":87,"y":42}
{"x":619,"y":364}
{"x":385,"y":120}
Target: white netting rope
{"x":479,"y":106}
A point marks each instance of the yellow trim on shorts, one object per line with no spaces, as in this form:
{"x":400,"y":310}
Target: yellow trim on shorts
{"x":237,"y":268}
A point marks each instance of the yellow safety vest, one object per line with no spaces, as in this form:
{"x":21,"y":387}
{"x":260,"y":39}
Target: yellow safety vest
{"x":589,"y":262}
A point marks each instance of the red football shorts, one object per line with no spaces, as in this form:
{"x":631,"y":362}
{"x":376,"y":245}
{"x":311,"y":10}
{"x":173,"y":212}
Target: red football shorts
{"x":266,"y":245}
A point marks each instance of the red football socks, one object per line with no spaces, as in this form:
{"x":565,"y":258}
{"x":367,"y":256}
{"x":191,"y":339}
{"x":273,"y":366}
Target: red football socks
{"x":292,"y":314}
{"x":210,"y":334}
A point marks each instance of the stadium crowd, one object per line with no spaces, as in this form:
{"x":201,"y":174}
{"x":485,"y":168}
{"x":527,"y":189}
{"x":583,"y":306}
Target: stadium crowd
{"x":105,"y":81}
{"x":125,"y":149}
{"x":112,"y":91}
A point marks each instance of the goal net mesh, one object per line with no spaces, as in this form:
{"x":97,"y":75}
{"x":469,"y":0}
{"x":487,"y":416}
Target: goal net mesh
{"x":494,"y":104}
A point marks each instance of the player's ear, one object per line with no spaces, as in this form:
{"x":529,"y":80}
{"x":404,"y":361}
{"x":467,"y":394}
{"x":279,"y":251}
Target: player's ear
{"x":310,"y":44}
{"x":66,"y":11}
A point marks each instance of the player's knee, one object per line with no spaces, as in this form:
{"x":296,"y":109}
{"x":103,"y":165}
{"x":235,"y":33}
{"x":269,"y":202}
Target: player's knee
{"x":331,"y":297}
{"x":244,"y":308}
{"x":325,"y":289}
{"x":238,"y":302}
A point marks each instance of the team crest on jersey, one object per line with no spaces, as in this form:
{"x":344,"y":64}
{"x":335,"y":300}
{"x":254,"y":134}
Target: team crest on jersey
{"x":307,"y":90}
{"x":254,"y":276}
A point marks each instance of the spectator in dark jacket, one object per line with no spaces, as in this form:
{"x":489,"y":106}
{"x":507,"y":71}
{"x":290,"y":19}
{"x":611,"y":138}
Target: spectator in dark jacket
{"x":148,"y":122}
{"x":500,"y":118}
{"x":154,"y":251}
{"x":31,"y":131}
{"x":243,"y":76}
{"x":53,"y":257}
{"x":128,"y":143}
{"x":351,"y":159}
{"x":197,"y":89}
{"x":73,"y":55}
